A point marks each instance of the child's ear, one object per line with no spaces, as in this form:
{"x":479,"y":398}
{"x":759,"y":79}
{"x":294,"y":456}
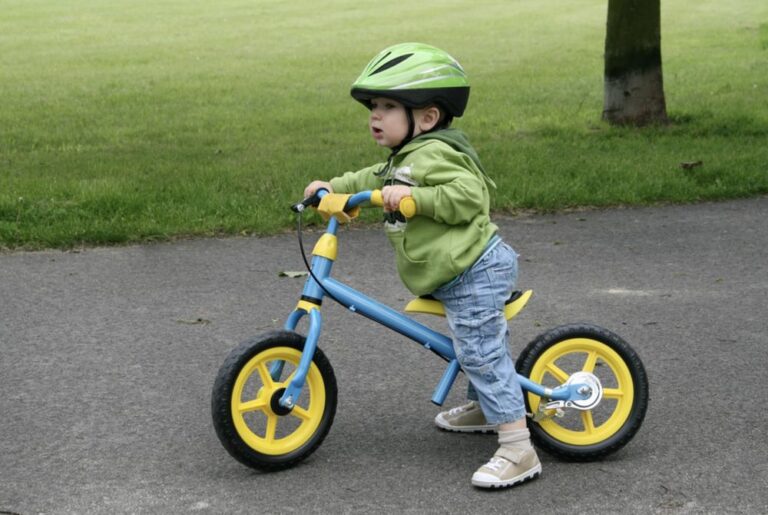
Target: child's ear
{"x":429,"y":118}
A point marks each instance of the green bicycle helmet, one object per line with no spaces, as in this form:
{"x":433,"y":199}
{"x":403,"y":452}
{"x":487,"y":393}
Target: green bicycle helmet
{"x":416,"y":75}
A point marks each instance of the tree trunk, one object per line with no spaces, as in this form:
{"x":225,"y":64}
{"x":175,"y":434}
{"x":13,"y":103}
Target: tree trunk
{"x":634,"y":89}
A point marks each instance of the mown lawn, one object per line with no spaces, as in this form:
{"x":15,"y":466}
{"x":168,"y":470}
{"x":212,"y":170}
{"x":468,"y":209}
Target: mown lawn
{"x":132,"y":121}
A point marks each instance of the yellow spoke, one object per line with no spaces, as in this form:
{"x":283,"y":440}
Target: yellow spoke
{"x":301,"y":413}
{"x":556,"y":371}
{"x":269,"y":434}
{"x":256,"y":404}
{"x":589,"y":364}
{"x":613,"y":393}
{"x":589,"y":423}
{"x":266,"y":379}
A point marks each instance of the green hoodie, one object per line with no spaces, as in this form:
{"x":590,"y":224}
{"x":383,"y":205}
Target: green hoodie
{"x":452,"y":225}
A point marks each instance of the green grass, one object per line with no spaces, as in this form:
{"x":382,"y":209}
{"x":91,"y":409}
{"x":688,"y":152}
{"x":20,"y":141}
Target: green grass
{"x":132,"y":121}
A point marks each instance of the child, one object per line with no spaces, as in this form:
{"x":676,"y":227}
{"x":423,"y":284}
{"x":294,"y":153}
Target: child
{"x":450,"y":249}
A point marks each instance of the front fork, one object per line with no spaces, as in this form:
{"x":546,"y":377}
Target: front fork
{"x":292,"y":392}
{"x":323,"y":256}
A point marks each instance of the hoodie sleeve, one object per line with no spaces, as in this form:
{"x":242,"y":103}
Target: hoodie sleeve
{"x":452,"y":191}
{"x":352,"y":182}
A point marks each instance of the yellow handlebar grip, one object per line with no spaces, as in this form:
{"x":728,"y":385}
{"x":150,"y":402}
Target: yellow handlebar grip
{"x":408,"y":207}
{"x":376,"y":198}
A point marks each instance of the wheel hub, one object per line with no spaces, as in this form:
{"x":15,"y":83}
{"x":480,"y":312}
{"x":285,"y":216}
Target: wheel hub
{"x":274,"y":403}
{"x":591,"y":390}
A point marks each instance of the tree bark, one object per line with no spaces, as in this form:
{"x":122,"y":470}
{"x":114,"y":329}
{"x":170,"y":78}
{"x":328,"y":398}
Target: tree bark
{"x":634,"y":88}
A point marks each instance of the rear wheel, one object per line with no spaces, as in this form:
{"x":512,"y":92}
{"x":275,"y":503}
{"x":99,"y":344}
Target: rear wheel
{"x":589,"y":434}
{"x":249,"y":421}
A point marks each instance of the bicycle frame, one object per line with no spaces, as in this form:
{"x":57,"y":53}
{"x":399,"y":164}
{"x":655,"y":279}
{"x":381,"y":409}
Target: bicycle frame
{"x":324,"y":255}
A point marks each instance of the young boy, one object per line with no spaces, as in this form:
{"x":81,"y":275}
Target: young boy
{"x":450,"y":249}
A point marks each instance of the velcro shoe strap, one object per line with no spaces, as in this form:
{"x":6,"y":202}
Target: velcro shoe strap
{"x":513,"y":455}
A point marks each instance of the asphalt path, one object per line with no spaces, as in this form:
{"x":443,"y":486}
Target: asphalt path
{"x":108,"y":356}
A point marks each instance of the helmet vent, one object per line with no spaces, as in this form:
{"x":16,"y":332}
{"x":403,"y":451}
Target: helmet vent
{"x":382,"y":58}
{"x":390,"y":64}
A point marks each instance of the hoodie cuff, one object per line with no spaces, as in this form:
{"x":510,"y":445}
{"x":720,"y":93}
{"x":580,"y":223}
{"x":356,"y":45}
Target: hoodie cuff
{"x":338,"y":184}
{"x":425,"y":201}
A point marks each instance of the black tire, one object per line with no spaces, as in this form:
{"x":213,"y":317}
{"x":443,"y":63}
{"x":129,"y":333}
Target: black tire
{"x":243,"y":374}
{"x":601,"y":433}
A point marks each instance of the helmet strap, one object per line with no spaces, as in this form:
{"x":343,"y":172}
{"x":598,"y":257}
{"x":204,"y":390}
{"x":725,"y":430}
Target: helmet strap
{"x":411,"y":124}
{"x":411,"y":131}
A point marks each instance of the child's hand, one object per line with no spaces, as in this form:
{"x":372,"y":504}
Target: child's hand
{"x":317,"y":185}
{"x":392,"y":195}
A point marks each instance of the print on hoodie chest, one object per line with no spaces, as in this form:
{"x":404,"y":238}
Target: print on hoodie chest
{"x":403,"y":176}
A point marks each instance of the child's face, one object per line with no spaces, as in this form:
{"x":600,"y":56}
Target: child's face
{"x":388,"y":122}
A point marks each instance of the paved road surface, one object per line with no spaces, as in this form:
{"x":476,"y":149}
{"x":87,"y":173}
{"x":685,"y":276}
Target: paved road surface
{"x":106,"y":380}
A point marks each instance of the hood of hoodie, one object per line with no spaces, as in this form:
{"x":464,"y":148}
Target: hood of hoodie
{"x":459,"y":141}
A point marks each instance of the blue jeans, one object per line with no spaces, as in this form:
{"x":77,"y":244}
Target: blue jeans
{"x":474,"y":306}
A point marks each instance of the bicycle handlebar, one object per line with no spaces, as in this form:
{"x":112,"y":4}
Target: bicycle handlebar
{"x":407,"y":205}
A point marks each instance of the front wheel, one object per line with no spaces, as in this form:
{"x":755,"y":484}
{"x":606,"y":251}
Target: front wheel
{"x":249,"y":421}
{"x":573,"y":434}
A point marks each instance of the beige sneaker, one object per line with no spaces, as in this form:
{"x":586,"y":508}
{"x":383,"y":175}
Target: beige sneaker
{"x":508,"y":468}
{"x":468,"y":418}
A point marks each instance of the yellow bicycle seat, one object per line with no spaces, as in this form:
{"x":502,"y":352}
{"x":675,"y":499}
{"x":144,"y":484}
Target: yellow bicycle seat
{"x":431,"y":306}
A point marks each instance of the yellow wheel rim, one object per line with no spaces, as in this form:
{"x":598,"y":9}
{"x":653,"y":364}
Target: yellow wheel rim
{"x":256,"y":422}
{"x":584,"y":354}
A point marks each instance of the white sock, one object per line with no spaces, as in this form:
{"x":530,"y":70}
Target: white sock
{"x":517,"y":439}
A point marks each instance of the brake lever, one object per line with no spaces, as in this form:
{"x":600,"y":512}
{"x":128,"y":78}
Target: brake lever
{"x":314,"y":200}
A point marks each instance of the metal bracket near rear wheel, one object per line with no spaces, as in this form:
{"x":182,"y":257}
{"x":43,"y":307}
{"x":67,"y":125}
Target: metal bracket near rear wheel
{"x":543,"y":413}
{"x":587,"y":392}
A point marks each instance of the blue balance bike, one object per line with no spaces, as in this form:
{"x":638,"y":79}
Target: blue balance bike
{"x":274,"y":398}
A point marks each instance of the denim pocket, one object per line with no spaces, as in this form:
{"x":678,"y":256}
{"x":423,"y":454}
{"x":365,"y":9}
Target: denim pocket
{"x":479,"y":336}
